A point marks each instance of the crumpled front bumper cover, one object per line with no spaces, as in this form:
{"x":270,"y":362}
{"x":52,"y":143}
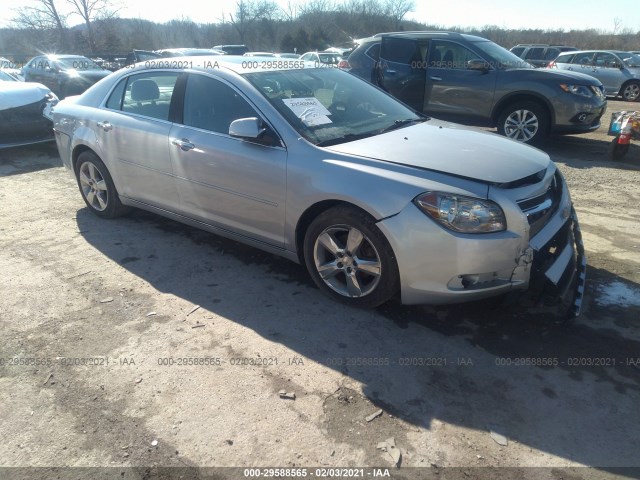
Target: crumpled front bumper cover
{"x":559,"y":269}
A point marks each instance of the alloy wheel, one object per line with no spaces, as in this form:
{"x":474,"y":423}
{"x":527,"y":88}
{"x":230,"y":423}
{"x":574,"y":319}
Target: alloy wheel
{"x":347,"y":261}
{"x":521,"y":125}
{"x":93,"y":186}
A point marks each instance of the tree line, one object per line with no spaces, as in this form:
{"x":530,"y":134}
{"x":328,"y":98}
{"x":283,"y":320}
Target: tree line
{"x":260,"y":24}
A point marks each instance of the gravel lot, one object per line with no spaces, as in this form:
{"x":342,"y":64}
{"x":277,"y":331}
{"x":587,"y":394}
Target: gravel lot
{"x":141,"y":342}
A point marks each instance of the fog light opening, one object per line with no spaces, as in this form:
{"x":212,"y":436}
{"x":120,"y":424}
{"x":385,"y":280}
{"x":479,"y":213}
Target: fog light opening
{"x":469,"y":280}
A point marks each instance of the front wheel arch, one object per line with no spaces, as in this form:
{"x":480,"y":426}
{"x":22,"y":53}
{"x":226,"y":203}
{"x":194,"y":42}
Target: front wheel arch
{"x":310,"y":214}
{"x":368,"y":264}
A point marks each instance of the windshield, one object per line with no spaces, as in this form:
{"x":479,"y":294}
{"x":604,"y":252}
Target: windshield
{"x":630,"y":59}
{"x":328,"y":106}
{"x":77,"y":63}
{"x":500,"y":57}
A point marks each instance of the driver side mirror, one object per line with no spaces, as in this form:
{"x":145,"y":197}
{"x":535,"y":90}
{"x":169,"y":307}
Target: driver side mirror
{"x":478,"y":64}
{"x":248,"y":128}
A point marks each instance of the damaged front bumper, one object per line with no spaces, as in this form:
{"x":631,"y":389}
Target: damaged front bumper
{"x":440,"y":267}
{"x":559,"y":269}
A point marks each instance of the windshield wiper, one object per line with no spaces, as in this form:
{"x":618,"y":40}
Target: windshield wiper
{"x":349,"y":137}
{"x":403,"y":123}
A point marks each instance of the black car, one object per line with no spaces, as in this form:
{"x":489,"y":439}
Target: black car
{"x":65,"y":75}
{"x":25,"y":112}
{"x":539,"y":55}
{"x":232,"y":49}
{"x":471,"y":80}
{"x":136,"y":56}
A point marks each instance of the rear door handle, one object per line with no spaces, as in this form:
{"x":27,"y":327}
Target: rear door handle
{"x":436,"y":79}
{"x":390,"y":72}
{"x":106,"y":126}
{"x":184,"y":144}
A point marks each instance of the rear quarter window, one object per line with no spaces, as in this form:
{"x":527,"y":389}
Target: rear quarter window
{"x":373,"y":52}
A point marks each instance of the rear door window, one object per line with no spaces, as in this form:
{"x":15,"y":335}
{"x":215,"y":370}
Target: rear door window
{"x":551,"y":54}
{"x":585,"y":58}
{"x":535,"y":53}
{"x":402,"y":50}
{"x":147,"y":94}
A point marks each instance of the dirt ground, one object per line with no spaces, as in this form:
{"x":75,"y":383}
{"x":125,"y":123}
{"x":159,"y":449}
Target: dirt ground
{"x":144,"y":343}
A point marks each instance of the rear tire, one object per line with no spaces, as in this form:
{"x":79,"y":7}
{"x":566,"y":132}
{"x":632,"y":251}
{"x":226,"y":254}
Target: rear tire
{"x":525,"y":122}
{"x":97,"y":187}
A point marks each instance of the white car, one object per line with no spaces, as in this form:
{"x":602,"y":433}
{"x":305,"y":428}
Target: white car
{"x":25,"y":112}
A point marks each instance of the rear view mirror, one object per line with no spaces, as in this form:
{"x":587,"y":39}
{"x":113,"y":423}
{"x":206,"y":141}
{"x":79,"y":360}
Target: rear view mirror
{"x":246,"y":128}
{"x":478,"y":64}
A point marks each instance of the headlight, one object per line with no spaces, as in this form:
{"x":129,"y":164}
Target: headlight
{"x":577,"y":89}
{"x":462,"y":214}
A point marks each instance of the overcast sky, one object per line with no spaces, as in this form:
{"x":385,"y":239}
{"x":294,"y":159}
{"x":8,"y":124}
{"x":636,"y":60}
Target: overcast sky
{"x":552,"y":14}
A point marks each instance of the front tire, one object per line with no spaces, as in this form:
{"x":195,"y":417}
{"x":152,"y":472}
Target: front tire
{"x":97,"y":187}
{"x":526,"y":122}
{"x":349,"y":258}
{"x":631,"y":92}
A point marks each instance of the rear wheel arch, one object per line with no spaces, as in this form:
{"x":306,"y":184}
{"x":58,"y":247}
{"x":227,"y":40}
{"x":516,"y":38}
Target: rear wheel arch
{"x":76,"y":153}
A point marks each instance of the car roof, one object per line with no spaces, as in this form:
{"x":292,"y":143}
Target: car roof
{"x":234,"y":63}
{"x":593,"y":51}
{"x":432,"y":34}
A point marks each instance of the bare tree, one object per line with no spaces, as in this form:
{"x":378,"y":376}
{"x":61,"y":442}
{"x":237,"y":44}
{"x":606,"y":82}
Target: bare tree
{"x":90,"y":10}
{"x":43,"y":16}
{"x":617,"y":24}
{"x":397,"y":9}
{"x":248,"y":12}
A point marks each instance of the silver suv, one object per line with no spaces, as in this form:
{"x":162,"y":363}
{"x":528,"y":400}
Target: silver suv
{"x":618,"y":71}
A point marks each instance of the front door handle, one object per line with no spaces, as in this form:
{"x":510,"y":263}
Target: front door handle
{"x":436,"y":79}
{"x":184,"y":144}
{"x":106,"y":126}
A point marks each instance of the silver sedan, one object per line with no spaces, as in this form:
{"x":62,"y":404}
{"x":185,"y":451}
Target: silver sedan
{"x":318,"y":166}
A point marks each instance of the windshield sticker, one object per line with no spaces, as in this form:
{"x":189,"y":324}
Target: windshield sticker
{"x":309,"y":110}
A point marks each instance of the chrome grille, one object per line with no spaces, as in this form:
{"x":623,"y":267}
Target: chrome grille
{"x":540,"y":208}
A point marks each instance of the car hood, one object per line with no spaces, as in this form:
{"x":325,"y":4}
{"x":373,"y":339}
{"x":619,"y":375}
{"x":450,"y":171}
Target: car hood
{"x":560,"y":75}
{"x":17,"y":94}
{"x":453,"y":149}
